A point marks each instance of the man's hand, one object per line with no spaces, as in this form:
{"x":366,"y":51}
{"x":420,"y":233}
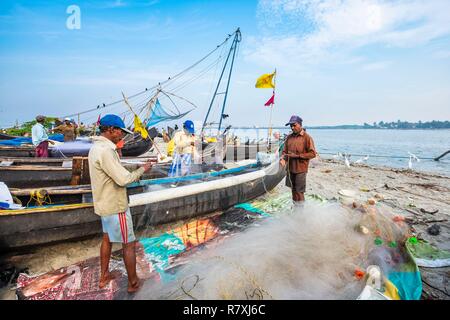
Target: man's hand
{"x":192,"y":143}
{"x":147,"y":166}
{"x":293,"y":155}
{"x":282,"y":162}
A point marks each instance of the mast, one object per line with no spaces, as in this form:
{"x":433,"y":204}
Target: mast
{"x":233,"y":48}
{"x":269,"y":138}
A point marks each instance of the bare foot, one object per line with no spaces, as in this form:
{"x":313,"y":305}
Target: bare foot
{"x":108,"y":277}
{"x":132,"y":288}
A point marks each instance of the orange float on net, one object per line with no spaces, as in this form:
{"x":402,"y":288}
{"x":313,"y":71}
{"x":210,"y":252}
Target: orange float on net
{"x":359,"y":274}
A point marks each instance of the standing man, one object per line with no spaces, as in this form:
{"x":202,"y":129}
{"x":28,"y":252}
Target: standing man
{"x":39,"y":137}
{"x":298,"y":150}
{"x":184,"y":149}
{"x":108,"y":180}
{"x":68,"y":129}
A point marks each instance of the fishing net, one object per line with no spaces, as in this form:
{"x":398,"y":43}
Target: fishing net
{"x":159,"y":114}
{"x":320,"y":251}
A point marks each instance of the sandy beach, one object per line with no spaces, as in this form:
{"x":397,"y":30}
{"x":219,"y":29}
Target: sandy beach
{"x":422,"y":198}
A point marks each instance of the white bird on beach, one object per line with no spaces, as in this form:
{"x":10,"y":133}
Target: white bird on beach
{"x":361,"y":160}
{"x":337,"y":155}
{"x":412,"y":158}
{"x":347,"y":162}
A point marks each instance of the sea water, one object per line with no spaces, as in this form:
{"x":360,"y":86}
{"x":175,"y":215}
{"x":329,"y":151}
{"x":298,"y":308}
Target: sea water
{"x":385,"y":147}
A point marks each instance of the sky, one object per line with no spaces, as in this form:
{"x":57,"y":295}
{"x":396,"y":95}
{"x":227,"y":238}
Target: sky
{"x":337,"y":61}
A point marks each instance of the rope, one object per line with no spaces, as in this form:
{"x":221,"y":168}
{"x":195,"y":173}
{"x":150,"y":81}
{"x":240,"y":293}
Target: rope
{"x":103,"y":106}
{"x":375,"y":156}
{"x":40,"y":196}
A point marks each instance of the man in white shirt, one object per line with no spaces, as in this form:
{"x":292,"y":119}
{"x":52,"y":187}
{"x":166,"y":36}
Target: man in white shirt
{"x":39,"y":137}
{"x":108,"y":181}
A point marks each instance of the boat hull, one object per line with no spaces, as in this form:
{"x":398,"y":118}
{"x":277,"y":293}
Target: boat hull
{"x":133,"y":148}
{"x":56,"y":225}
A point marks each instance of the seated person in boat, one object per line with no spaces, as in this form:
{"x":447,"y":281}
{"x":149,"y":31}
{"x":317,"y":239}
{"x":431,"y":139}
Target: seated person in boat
{"x":184,"y":150}
{"x":109,"y":180}
{"x":39,"y":137}
{"x":68,"y":129}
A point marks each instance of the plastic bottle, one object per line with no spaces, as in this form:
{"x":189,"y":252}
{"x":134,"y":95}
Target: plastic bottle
{"x":374,"y":276}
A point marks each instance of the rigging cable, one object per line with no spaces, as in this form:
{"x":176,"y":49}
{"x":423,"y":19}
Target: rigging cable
{"x":156,"y":86}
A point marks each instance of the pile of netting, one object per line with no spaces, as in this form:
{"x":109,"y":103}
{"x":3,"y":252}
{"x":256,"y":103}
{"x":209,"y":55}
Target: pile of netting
{"x":318,"y":251}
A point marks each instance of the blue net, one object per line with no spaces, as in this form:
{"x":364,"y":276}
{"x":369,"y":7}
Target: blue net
{"x":159,"y":114}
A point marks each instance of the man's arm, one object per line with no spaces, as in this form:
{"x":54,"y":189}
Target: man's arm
{"x":284,"y":153}
{"x":58,"y":129}
{"x":113,"y":168}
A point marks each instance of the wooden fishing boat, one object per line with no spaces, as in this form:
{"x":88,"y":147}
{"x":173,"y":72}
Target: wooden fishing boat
{"x":134,"y":146}
{"x":4,"y":136}
{"x":152,"y":202}
{"x":55,"y":162}
{"x":36,"y":173}
{"x":39,"y":175}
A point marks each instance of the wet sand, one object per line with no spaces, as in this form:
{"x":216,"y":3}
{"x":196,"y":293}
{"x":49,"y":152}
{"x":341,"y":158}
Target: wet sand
{"x":409,"y":193}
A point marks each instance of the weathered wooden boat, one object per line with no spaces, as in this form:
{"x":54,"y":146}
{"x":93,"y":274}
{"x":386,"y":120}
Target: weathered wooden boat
{"x":4,"y":136}
{"x":38,"y":175}
{"x":35,"y":173}
{"x":55,"y":162}
{"x":134,"y":146}
{"x":153,"y":202}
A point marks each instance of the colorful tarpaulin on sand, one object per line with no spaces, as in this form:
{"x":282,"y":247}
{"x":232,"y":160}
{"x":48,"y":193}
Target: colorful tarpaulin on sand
{"x":427,"y":255}
{"x":159,"y":257}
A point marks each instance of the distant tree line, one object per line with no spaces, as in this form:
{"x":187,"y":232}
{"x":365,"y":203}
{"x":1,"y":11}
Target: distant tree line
{"x":409,"y":125}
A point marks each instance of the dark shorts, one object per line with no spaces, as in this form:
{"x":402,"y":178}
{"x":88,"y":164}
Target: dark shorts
{"x":296,"y":181}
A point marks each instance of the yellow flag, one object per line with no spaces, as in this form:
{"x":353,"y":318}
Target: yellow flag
{"x":265,"y":81}
{"x":139,"y":127}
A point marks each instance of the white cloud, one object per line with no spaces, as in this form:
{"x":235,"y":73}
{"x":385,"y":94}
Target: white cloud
{"x":318,"y":30}
{"x":376,"y":66}
{"x":442,"y":54}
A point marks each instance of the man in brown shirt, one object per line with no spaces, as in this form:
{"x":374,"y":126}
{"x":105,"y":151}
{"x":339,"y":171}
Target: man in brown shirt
{"x":298,"y":150}
{"x":67,"y":129}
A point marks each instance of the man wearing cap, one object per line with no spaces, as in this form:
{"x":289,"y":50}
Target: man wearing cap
{"x":109,"y":180}
{"x":39,"y":137}
{"x":67,"y":129}
{"x":184,"y":142}
{"x":298,"y":150}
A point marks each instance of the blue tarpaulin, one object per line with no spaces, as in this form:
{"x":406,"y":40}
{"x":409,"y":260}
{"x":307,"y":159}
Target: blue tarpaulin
{"x":27,"y":140}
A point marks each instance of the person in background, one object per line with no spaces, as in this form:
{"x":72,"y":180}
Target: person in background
{"x":68,"y":129}
{"x":183,"y":142}
{"x":119,"y":146}
{"x":108,"y":181}
{"x":39,"y":137}
{"x":82,"y":130}
{"x":298,"y":150}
